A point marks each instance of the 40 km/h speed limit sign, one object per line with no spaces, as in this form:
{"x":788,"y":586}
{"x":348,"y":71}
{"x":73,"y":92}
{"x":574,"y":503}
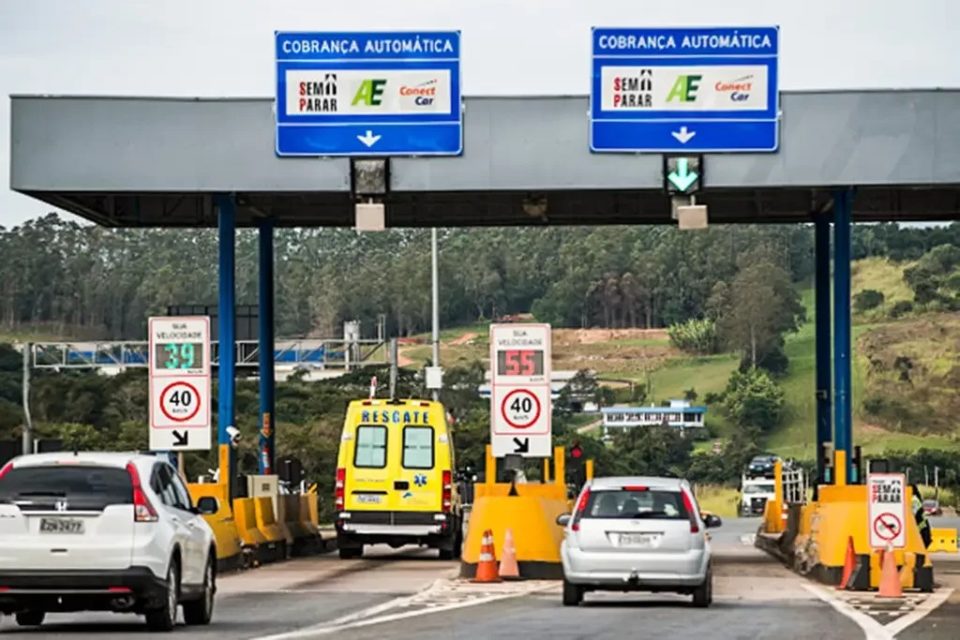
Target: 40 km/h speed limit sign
{"x":179,"y":383}
{"x":520,"y":396}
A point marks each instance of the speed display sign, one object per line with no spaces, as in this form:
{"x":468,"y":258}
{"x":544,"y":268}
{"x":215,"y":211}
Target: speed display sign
{"x":520,"y":397}
{"x":179,"y":383}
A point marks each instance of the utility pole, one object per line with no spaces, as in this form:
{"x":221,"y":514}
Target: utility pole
{"x":27,"y":422}
{"x":436,"y":305}
{"x":394,"y":365}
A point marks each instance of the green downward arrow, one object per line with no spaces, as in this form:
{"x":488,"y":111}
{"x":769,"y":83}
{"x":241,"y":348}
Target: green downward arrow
{"x":682,"y":177}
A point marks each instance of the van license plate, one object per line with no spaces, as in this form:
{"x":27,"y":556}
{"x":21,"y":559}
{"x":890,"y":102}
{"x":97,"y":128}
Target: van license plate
{"x":61,"y":525}
{"x":637,"y":540}
{"x":367,"y":498}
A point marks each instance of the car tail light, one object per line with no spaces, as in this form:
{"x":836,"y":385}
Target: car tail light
{"x":119,"y":590}
{"x":581,"y":508}
{"x":447,"y":491}
{"x":338,"y":491}
{"x":636,"y":487}
{"x":5,"y":469}
{"x":143,"y":511}
{"x":694,"y":516}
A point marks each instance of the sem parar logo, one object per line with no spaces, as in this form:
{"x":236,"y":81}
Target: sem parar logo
{"x":685,"y":88}
{"x":370,"y":93}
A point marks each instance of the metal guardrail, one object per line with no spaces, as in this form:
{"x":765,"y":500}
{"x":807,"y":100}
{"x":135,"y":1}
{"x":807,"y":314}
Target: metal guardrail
{"x":306,"y":353}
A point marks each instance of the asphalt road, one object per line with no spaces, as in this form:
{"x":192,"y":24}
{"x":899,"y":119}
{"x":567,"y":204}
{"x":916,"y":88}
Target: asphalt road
{"x":409,"y":593}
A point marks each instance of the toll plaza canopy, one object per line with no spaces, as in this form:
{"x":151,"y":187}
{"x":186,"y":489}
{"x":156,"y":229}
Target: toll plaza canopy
{"x":142,"y":162}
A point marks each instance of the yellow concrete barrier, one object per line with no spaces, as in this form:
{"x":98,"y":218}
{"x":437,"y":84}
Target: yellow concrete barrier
{"x":943,"y":540}
{"x":291,"y":516}
{"x":314,"y":504}
{"x":246,"y":518}
{"x":305,"y":513}
{"x":536,"y":534}
{"x":222,"y":523}
{"x":267,"y":520}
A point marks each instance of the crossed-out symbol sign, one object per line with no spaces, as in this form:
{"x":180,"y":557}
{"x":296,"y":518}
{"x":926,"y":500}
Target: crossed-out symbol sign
{"x":887,"y":526}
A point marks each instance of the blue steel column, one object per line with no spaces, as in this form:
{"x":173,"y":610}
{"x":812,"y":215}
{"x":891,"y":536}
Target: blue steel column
{"x":226,"y":317}
{"x":267,"y":406}
{"x":822,"y":322}
{"x":842,"y":366}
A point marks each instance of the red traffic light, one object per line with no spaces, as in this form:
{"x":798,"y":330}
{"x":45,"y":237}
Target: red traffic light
{"x":576,"y":451}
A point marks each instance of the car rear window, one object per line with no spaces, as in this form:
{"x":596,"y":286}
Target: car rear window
{"x":81,"y":487}
{"x":656,"y":504}
{"x":418,"y":447}
{"x":371,"y":449}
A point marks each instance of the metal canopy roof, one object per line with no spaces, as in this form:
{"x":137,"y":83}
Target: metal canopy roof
{"x":137,"y":162}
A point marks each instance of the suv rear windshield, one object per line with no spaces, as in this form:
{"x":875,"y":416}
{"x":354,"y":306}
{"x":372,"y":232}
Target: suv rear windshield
{"x":657,"y":504}
{"x":84,"y":488}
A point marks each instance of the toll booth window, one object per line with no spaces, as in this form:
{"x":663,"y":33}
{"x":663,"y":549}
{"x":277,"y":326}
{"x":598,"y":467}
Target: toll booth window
{"x":371,"y":449}
{"x":418,"y":447}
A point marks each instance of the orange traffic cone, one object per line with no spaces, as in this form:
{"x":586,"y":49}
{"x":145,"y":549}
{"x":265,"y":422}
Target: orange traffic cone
{"x":848,"y":565}
{"x":508,"y":565}
{"x":889,"y":576}
{"x":487,"y":563}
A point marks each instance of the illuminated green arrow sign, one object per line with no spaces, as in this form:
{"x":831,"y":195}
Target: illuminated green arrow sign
{"x":682,"y":177}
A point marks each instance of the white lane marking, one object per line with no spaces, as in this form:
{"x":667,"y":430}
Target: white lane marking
{"x":363,"y":618}
{"x":872,"y":629}
{"x":932,"y":601}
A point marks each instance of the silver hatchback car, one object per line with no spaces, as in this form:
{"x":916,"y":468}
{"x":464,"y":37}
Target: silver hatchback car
{"x":637,"y":534}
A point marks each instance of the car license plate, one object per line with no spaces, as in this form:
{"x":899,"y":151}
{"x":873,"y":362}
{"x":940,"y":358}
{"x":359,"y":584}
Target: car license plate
{"x":368,"y":498}
{"x":638,"y":540}
{"x":61,"y":525}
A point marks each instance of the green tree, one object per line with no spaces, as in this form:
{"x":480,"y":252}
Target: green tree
{"x":753,"y":400}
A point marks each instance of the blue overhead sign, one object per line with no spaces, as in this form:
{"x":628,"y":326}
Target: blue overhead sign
{"x":685,"y":90}
{"x":368,"y":94}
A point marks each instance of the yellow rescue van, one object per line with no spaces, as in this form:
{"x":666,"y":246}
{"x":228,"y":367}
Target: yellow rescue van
{"x":395,"y":478}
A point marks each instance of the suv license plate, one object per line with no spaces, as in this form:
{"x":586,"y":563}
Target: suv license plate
{"x":61,"y":525}
{"x":637,"y":540}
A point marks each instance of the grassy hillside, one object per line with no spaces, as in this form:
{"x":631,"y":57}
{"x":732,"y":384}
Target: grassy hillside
{"x":889,"y":412}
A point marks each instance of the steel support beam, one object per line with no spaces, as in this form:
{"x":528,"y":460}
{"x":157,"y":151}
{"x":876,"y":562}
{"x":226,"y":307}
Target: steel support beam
{"x":226,"y":312}
{"x":268,"y":423}
{"x":842,"y":356}
{"x":822,"y":323}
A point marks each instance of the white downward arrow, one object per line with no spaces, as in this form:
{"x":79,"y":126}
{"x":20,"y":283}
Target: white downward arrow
{"x":683,"y":135}
{"x":369,"y":139}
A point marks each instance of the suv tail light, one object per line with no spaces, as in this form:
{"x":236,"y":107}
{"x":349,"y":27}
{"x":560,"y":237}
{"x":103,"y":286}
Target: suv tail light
{"x":694,"y":516}
{"x":581,"y":507}
{"x":338,"y":491}
{"x":5,"y":469}
{"x":447,"y":491}
{"x":143,"y":511}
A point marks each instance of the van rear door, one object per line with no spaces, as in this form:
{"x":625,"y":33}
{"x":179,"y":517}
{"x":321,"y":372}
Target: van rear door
{"x":420,"y":487}
{"x":368,"y":484}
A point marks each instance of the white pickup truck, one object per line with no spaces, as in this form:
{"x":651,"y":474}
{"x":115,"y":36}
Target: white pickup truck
{"x":754,"y":493}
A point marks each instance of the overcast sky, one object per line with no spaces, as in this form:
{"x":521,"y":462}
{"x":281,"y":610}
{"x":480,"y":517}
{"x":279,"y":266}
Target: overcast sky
{"x":510,"y":47}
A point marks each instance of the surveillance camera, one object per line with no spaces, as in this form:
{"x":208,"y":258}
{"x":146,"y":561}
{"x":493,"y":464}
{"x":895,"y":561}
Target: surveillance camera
{"x":234,"y":435}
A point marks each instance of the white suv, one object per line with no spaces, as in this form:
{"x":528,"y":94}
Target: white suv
{"x":103,"y":531}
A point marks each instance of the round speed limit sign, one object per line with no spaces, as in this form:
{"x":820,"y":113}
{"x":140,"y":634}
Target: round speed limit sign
{"x":520,"y":408}
{"x":180,"y":401}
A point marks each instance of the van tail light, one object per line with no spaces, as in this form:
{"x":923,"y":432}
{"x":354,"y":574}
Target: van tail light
{"x":5,"y":469}
{"x":694,"y":516}
{"x":581,"y":508}
{"x":447,"y":491}
{"x":338,"y":491}
{"x":143,"y":511}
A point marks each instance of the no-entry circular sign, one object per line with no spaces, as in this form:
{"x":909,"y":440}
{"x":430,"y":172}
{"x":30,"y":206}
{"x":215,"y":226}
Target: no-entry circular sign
{"x":520,"y":408}
{"x":887,"y":526}
{"x":180,"y":401}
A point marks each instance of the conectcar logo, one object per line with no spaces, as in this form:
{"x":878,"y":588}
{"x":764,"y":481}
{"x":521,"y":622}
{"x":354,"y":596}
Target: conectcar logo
{"x":423,"y":94}
{"x":739,"y":89}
